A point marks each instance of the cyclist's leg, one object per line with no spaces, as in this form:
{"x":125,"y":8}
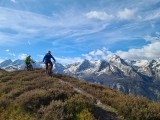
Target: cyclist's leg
{"x":31,"y":66}
{"x":51,"y":66}
{"x":27,"y":65}
{"x":46,"y":67}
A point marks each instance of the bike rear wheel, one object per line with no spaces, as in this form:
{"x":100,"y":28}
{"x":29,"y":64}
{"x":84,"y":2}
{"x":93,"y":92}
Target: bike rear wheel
{"x":29,"y":67}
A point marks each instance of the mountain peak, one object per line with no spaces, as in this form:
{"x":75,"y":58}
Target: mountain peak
{"x":117,"y":60}
{"x":114,"y":58}
{"x":6,"y":63}
{"x":84,"y":65}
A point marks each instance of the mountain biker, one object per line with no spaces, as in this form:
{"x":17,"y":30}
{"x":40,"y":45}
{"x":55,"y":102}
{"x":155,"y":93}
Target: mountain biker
{"x":47,"y":60}
{"x":28,"y":61}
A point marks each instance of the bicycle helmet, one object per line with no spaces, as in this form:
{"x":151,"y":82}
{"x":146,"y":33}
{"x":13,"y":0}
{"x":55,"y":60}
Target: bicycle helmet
{"x":49,"y":51}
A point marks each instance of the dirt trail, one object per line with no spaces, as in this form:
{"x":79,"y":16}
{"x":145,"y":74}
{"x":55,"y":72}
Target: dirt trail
{"x":104,"y":113}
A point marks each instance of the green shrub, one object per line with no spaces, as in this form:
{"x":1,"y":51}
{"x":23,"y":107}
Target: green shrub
{"x":85,"y":114}
{"x":15,"y":113}
{"x":76,"y":104}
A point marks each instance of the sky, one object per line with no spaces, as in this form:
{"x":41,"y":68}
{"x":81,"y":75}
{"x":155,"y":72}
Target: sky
{"x":74,"y":30}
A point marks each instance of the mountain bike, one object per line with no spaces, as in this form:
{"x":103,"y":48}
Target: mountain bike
{"x":29,"y":67}
{"x":49,"y":69}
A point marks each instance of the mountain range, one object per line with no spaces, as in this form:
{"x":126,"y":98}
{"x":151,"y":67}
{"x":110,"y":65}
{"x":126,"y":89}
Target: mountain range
{"x":138,"y":78}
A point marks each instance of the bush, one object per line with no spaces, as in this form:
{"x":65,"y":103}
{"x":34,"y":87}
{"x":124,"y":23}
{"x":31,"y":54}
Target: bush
{"x":15,"y":113}
{"x":76,"y":104}
{"x":6,"y":78}
{"x":4,"y":103}
{"x":85,"y":114}
{"x":31,"y":101}
{"x":55,"y":111}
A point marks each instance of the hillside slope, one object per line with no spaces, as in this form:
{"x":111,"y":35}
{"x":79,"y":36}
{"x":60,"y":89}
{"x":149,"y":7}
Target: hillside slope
{"x":32,"y":95}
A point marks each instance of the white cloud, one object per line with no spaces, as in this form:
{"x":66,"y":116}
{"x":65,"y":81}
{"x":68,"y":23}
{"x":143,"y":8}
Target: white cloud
{"x":153,"y":15}
{"x":127,"y":14}
{"x":23,"y":25}
{"x":99,"y":15}
{"x":97,"y":54}
{"x":68,"y":60}
{"x":14,"y":1}
{"x":7,"y":50}
{"x":150,"y":51}
{"x":158,"y":34}
{"x":153,"y":38}
{"x":1,"y":60}
{"x":12,"y":54}
{"x":22,"y":56}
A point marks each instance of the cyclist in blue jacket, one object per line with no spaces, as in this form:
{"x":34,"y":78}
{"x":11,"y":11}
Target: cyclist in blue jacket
{"x":47,"y":60}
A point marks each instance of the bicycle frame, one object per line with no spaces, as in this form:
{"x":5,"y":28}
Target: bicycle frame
{"x":49,"y":69}
{"x":29,"y":67}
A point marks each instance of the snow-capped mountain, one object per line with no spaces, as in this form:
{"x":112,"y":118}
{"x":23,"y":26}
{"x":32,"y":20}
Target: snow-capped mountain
{"x":5,"y":63}
{"x":139,"y":78}
{"x":10,"y":65}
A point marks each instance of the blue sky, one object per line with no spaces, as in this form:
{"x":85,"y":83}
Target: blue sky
{"x":79,"y":29}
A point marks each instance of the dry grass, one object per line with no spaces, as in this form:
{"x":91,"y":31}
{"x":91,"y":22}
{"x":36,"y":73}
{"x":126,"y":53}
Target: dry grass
{"x":31,"y":95}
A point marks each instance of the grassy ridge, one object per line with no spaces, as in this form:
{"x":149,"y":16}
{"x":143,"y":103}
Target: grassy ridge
{"x":33,"y":95}
{"x":131,"y":108}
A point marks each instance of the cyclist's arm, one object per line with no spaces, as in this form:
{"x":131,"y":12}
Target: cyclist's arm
{"x":44,"y":58}
{"x":53,"y":58}
{"x":32,"y":61}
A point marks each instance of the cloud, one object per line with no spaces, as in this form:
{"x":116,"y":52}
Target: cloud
{"x":153,"y":15}
{"x":14,"y":1}
{"x":97,"y":54}
{"x":74,"y":29}
{"x":22,"y":56}
{"x":127,"y":14}
{"x":28,"y":25}
{"x":1,"y":60}
{"x":150,"y":51}
{"x":12,"y":54}
{"x":7,"y":50}
{"x":68,"y":60}
{"x":153,"y":39}
{"x":99,"y":15}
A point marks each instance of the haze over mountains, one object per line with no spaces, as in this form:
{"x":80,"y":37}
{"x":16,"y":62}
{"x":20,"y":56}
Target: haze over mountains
{"x":139,"y":78}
